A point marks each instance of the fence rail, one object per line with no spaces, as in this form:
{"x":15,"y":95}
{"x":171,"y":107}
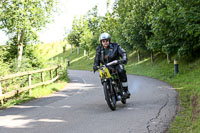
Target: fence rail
{"x":30,"y":86}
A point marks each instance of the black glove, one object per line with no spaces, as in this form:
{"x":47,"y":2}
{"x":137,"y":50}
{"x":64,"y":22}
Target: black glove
{"x":124,"y":61}
{"x":95,"y":68}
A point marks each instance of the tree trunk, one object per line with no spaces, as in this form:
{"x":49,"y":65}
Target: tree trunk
{"x":71,"y":49}
{"x":168,"y":58}
{"x":139,"y":56}
{"x":152,"y":57}
{"x":19,"y":58}
{"x":77,"y":50}
{"x":84,"y":52}
{"x":88,"y":55}
{"x":64,"y":48}
{"x":20,"y":39}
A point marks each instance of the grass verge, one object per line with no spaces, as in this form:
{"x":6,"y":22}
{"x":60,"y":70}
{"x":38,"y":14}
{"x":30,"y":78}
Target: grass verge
{"x":46,"y":52}
{"x":186,"y":82}
{"x":37,"y":92}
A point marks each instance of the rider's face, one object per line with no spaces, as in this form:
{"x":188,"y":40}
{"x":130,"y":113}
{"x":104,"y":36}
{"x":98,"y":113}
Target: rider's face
{"x":105,"y":43}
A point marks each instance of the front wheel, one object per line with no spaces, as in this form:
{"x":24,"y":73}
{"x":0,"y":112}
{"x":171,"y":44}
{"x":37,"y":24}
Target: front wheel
{"x":109,"y":96}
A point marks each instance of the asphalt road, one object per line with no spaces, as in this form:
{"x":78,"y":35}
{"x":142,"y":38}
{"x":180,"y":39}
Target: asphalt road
{"x":80,"y":108}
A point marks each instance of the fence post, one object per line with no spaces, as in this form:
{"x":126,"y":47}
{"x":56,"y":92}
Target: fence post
{"x":176,"y":70}
{"x":51,"y":74}
{"x":42,"y":76}
{"x":0,"y":89}
{"x":1,"y":93}
{"x":29,"y":83}
{"x":57,"y":71}
{"x":68,"y":62}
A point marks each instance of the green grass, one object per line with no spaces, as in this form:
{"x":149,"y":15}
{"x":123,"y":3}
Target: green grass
{"x":37,"y":92}
{"x":186,"y":82}
{"x":47,"y":52}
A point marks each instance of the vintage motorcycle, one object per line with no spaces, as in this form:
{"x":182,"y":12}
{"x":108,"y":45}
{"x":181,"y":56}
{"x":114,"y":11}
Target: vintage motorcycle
{"x":112,"y":86}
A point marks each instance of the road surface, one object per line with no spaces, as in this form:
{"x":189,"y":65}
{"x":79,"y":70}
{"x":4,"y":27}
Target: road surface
{"x":80,"y":108}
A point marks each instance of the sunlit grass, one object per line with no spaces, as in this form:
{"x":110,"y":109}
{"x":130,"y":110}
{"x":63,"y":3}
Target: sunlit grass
{"x":143,"y":61}
{"x":37,"y":92}
{"x":77,"y":59}
{"x":45,"y":52}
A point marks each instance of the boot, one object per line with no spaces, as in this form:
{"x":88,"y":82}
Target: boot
{"x":127,"y":92}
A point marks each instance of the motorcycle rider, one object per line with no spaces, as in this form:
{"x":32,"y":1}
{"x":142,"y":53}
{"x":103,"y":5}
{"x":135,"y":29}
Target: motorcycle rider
{"x":108,"y":52}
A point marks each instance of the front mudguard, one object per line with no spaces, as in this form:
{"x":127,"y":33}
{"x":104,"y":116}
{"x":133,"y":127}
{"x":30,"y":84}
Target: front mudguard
{"x":104,"y":80}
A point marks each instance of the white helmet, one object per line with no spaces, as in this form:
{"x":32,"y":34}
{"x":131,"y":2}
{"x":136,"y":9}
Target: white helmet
{"x":104,"y":36}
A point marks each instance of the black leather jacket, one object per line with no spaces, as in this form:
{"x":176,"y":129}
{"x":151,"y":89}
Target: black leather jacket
{"x":115,"y":52}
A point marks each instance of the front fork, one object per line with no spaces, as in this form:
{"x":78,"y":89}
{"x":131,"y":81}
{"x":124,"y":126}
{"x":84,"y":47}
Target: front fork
{"x":111,"y":88}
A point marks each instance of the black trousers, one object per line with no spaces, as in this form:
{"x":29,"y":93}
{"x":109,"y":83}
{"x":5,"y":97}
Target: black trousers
{"x":122,"y":73}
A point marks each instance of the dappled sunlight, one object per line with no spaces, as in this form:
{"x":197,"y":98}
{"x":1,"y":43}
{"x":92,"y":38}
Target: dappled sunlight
{"x":137,"y":63}
{"x":131,"y":65}
{"x":50,"y":120}
{"x":92,"y":57}
{"x":26,"y":107}
{"x":130,"y":108}
{"x":66,"y":106}
{"x":81,"y":86}
{"x":180,"y":88}
{"x":77,"y":59}
{"x":134,"y":52}
{"x":140,"y":62}
{"x":60,"y":95}
{"x":20,"y":121}
{"x":14,"y":121}
{"x":166,"y":87}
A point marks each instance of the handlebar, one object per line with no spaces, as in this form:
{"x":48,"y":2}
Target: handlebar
{"x":115,"y":62}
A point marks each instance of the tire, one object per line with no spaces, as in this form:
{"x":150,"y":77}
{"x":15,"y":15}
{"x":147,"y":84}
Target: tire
{"x":110,"y":99}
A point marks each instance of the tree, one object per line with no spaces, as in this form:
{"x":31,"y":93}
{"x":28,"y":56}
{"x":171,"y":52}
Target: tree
{"x":74,"y":36}
{"x":134,"y":29}
{"x":94,"y":25}
{"x":21,"y":19}
{"x":175,"y":26}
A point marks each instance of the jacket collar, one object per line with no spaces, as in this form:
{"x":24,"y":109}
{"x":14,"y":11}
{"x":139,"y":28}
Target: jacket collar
{"x":110,"y":46}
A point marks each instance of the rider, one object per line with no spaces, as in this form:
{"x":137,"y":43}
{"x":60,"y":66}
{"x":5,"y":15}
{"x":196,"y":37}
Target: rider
{"x":108,"y":52}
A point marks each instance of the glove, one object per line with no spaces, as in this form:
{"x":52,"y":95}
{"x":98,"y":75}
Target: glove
{"x":124,"y":61}
{"x":95,"y":68}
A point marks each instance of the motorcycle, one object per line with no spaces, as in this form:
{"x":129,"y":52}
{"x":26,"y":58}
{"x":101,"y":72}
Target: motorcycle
{"x":112,"y":86}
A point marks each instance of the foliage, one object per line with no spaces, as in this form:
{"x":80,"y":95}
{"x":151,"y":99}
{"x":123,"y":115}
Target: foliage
{"x":175,"y":26}
{"x":33,"y":59}
{"x":22,"y":19}
{"x":86,"y":37}
{"x":27,"y":15}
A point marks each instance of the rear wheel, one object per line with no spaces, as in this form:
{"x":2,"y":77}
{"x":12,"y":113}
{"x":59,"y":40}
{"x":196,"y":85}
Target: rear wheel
{"x":109,"y":96}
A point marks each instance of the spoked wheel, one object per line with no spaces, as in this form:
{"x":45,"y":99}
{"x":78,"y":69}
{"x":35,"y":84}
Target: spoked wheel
{"x":109,"y":96}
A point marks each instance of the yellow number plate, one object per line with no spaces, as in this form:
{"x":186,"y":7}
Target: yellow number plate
{"x":104,"y":73}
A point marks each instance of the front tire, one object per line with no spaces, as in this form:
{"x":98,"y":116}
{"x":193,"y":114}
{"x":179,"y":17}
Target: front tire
{"x":109,"y":96}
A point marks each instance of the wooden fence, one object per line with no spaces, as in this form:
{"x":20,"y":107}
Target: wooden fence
{"x":30,"y":86}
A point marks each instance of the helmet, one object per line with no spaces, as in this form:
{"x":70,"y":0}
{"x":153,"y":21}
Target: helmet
{"x":104,"y":36}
